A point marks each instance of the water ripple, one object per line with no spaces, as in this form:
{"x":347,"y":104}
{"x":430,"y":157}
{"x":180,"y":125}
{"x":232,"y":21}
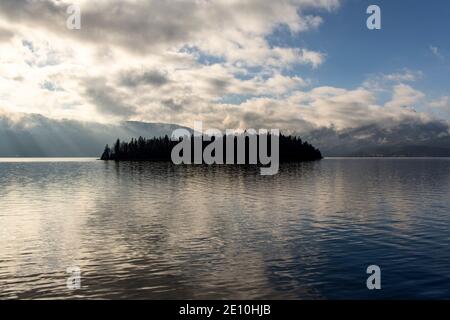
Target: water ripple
{"x":157,"y":231}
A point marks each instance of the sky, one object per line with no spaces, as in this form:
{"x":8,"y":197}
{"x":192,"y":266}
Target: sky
{"x":287,"y":64}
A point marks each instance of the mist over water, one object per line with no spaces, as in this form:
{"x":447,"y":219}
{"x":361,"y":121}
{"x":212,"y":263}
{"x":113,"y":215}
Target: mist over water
{"x":158,"y":231}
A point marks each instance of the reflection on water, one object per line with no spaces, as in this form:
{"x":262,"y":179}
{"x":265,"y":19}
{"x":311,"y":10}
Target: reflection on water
{"x":156,"y":231}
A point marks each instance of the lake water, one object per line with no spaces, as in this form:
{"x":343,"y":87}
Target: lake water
{"x":158,"y":231}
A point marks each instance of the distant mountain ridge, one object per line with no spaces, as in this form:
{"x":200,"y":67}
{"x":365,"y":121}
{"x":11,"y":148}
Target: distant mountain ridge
{"x":37,"y":136}
{"x":410,"y":139}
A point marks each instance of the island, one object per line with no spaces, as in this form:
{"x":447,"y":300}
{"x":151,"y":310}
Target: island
{"x":291,"y":149}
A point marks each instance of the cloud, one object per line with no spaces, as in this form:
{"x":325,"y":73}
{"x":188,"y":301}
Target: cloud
{"x":312,"y":57}
{"x":404,"y":76}
{"x":404,"y":96}
{"x":173,"y":105}
{"x":436,"y":52}
{"x":443,"y":102}
{"x":107,"y":100}
{"x":441,"y":105}
{"x":148,"y":77}
{"x":384,"y":82}
{"x":320,"y":107}
{"x":5,"y":35}
{"x":146,"y":60}
{"x":149,"y":55}
{"x":234,"y":30}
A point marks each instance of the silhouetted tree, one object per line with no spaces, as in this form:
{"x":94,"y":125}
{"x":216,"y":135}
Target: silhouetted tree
{"x":117,"y":147}
{"x":106,"y":154}
{"x":292,"y":149}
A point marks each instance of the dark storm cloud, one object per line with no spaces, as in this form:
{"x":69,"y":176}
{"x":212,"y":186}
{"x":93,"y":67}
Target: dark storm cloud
{"x":220,"y":84}
{"x":43,"y":12}
{"x":106,"y":99}
{"x":151,"y":77}
{"x":172,"y":105}
{"x":137,"y":26}
{"x":252,"y":117}
{"x":140,"y":26}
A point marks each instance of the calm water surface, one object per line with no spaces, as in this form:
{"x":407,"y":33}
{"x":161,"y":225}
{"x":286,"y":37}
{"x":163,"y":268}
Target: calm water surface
{"x":157,"y":231}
